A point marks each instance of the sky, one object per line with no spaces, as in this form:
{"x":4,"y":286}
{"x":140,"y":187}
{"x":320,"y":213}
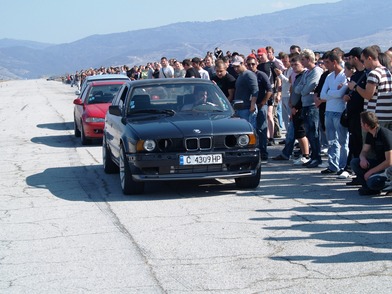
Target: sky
{"x":58,"y":22}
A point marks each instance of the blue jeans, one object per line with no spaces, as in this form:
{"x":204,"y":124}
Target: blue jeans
{"x":375,"y":182}
{"x":262,"y":127}
{"x":250,"y":117}
{"x":289,"y":140}
{"x":337,"y":137}
{"x":279,"y":114}
{"x":310,"y":115}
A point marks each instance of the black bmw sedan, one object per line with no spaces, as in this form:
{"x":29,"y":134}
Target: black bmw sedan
{"x":177,"y":129}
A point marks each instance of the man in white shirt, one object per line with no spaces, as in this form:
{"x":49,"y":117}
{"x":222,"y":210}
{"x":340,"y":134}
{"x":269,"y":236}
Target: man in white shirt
{"x":332,"y":93}
{"x":167,"y":70}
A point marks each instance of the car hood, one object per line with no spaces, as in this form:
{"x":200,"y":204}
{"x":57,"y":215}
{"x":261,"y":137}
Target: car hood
{"x":188,"y":126}
{"x":97,"y":110}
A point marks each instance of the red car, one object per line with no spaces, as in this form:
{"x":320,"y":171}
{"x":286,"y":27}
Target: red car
{"x":90,"y":109}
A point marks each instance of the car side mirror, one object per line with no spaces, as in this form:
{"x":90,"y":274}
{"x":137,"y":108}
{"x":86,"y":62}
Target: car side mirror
{"x":238,"y":104}
{"x":77,"y":92}
{"x":78,"y":101}
{"x":115,"y":110}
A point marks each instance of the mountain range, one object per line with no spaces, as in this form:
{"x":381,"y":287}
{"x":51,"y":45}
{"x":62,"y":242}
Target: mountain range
{"x":343,"y":24}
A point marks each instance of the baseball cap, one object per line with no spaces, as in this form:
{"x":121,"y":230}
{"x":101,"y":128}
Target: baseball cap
{"x":356,"y":52}
{"x":261,"y":51}
{"x":251,"y":56}
{"x":237,"y":60}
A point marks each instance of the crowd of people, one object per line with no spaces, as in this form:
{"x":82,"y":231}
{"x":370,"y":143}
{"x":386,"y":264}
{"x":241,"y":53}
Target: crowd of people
{"x":333,"y":103}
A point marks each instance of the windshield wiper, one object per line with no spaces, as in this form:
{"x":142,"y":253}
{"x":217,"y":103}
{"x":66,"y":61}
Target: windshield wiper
{"x":154,"y":111}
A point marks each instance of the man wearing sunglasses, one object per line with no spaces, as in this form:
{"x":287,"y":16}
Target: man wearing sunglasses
{"x":265,"y":93}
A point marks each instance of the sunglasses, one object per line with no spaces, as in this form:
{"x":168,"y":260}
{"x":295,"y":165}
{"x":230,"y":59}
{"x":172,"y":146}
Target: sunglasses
{"x":251,"y":64}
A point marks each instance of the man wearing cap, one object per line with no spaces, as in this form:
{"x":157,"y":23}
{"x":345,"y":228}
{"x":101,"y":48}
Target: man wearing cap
{"x":268,"y":67}
{"x":355,"y":103}
{"x":246,"y":89}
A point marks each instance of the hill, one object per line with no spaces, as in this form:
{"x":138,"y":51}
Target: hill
{"x":346,"y":24}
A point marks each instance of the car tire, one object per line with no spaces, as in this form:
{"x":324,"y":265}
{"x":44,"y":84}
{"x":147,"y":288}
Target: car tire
{"x":83,"y":138}
{"x":76,"y":130}
{"x":251,"y":182}
{"x":128,"y":185}
{"x":109,"y":166}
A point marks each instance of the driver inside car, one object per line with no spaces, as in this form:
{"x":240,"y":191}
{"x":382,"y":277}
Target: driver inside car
{"x":200,"y":97}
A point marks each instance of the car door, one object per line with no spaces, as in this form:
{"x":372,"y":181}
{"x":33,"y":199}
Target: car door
{"x":79,"y":109}
{"x":114,"y":126}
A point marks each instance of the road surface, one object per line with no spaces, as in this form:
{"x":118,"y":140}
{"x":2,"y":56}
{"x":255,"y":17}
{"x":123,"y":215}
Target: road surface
{"x":66,"y":227}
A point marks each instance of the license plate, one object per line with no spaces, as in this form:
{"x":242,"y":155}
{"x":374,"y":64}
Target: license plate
{"x":201,"y":159}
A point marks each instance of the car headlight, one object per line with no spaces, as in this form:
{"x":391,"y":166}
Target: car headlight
{"x":146,"y":145}
{"x":243,"y":140}
{"x":94,"y":119}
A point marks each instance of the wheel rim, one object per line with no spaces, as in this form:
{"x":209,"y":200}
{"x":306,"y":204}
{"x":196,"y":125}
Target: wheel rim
{"x":122,"y":168}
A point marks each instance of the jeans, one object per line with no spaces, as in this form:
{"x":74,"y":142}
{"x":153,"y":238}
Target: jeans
{"x":250,"y":117}
{"x":310,"y":115}
{"x":289,"y":141}
{"x":375,"y":182}
{"x":337,"y":137}
{"x":262,"y":128}
{"x":279,"y":114}
{"x":286,"y":111}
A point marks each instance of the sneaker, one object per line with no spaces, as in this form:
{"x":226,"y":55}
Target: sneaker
{"x":324,"y":151}
{"x":344,"y":175}
{"x":314,"y":163}
{"x":307,"y":163}
{"x":328,"y":172}
{"x":280,"y":157}
{"x":367,"y":191}
{"x":301,"y":160}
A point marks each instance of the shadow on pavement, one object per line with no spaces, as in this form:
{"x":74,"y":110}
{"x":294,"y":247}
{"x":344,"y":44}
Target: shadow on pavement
{"x":63,"y":126}
{"x":326,"y":213}
{"x":90,"y":183}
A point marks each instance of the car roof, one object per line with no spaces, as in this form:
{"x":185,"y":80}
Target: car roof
{"x":171,"y":81}
{"x":107,"y":77}
{"x":105,"y":83}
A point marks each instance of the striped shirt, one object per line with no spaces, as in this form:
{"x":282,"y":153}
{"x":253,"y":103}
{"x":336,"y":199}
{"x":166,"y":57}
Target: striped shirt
{"x":381,"y":102}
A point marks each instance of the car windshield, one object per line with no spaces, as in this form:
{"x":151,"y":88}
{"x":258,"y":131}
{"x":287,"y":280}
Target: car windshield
{"x":178,"y":98}
{"x":102,"y":93}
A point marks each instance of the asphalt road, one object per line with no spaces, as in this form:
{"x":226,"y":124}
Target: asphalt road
{"x":66,"y":227}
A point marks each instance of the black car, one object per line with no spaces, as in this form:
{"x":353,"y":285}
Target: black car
{"x":177,"y":129}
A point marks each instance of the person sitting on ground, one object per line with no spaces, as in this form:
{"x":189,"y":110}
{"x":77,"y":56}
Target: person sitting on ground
{"x":369,"y":170}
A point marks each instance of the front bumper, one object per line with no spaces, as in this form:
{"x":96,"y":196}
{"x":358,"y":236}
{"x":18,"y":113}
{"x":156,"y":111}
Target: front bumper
{"x":93,"y":130}
{"x":166,"y":167}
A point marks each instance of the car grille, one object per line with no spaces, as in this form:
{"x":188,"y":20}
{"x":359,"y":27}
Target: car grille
{"x":195,"y":144}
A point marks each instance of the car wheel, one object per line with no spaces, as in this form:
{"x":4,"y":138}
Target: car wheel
{"x":83,"y":137}
{"x":128,"y":185}
{"x":108,"y":165}
{"x":251,"y":182}
{"x":76,"y":129}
